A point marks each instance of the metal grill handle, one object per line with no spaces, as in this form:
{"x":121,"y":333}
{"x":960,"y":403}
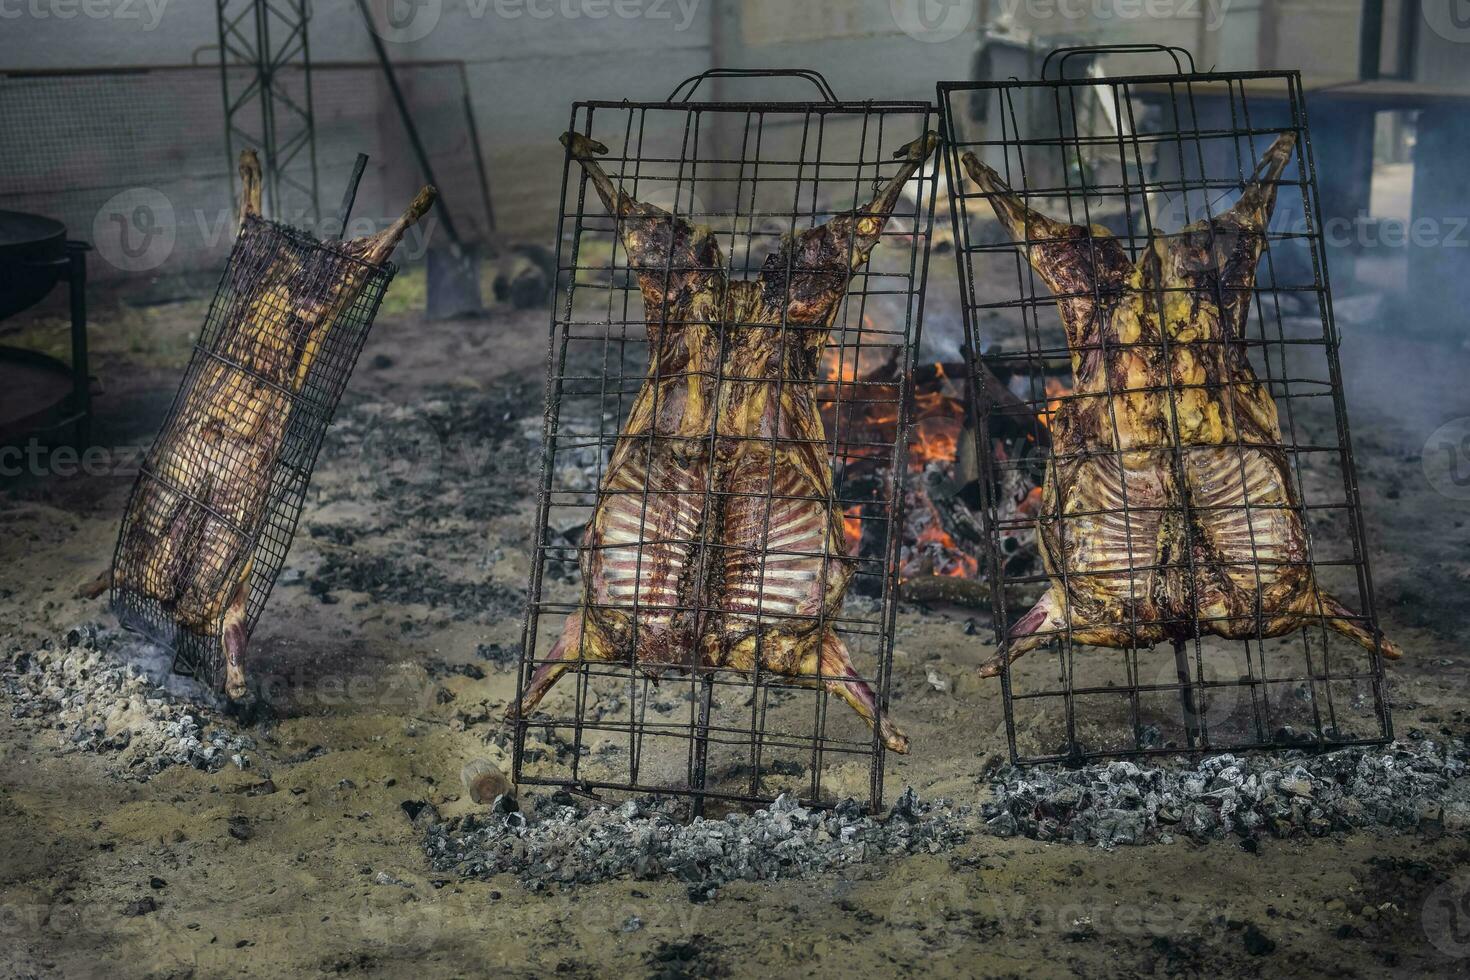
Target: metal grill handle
{"x":811,"y":75}
{"x":1173,"y":51}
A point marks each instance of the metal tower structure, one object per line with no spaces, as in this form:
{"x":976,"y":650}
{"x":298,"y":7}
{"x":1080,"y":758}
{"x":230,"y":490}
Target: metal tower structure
{"x":265,"y":76}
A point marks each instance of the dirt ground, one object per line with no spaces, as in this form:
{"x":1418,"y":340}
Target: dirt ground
{"x":369,"y":706}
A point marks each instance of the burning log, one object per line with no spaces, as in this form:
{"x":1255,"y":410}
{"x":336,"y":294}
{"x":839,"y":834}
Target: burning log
{"x":188,"y":541}
{"x":946,"y":590}
{"x":944,"y":527}
{"x":1168,"y":511}
{"x":1008,"y":413}
{"x":714,"y":535}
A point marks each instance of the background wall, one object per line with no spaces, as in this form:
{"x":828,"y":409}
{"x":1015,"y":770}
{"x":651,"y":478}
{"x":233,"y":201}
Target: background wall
{"x":526,"y":62}
{"x":112,"y":147}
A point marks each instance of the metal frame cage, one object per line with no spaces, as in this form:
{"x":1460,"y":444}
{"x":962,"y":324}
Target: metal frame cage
{"x":701,"y":418}
{"x":220,"y":492}
{"x":1155,"y":160}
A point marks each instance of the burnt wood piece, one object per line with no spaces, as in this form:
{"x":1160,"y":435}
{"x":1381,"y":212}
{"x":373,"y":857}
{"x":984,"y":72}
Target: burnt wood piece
{"x":946,"y":589}
{"x":715,"y":541}
{"x":1168,"y":510}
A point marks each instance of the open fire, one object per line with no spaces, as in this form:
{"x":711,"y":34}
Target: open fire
{"x":942,"y":531}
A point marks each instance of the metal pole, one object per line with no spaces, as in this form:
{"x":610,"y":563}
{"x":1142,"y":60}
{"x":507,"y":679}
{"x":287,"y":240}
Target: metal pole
{"x":413,"y":132}
{"x":350,"y":195}
{"x":474,"y":131}
{"x":81,"y":379}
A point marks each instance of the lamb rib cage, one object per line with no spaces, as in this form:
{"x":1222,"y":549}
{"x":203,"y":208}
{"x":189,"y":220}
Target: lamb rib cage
{"x":1123,"y":171}
{"x":806,"y":222}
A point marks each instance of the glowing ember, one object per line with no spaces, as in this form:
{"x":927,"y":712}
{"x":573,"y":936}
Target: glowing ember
{"x":1056,"y":394}
{"x":852,"y":528}
{"x":935,"y":440}
{"x":860,"y":403}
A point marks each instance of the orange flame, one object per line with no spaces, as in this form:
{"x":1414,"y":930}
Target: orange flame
{"x":936,"y":438}
{"x":852,"y":528}
{"x":1056,"y":396}
{"x":938,"y":418}
{"x":963,"y":565}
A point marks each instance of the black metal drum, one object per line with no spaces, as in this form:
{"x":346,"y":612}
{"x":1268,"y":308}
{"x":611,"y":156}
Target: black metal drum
{"x":41,"y":392}
{"x":32,"y":259}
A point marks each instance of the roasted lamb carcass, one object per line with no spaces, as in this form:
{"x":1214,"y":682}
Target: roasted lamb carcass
{"x":1168,"y":508}
{"x":189,"y":533}
{"x":715,"y":540}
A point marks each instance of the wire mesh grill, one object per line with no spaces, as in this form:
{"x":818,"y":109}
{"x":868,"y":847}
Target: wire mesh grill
{"x":216,"y":503}
{"x":713,"y":565}
{"x":1206,"y":582}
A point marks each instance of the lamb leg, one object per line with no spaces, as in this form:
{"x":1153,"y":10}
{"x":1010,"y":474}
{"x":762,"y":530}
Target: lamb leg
{"x":585,"y":150}
{"x":840,"y":678}
{"x":864,"y":226}
{"x":1029,"y":632}
{"x":562,"y":656}
{"x":804,"y":281}
{"x":1083,"y":266}
{"x":681,"y":271}
{"x":233,"y":636}
{"x":1340,"y":619}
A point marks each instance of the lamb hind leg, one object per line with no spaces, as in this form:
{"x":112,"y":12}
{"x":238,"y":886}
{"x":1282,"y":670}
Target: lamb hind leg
{"x":585,"y":150}
{"x":841,"y":678}
{"x":1343,"y":620}
{"x":1028,"y":633}
{"x":233,"y":637}
{"x":563,"y":655}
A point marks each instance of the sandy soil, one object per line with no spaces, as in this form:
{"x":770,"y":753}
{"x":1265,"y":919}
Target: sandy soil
{"x":367,"y":710}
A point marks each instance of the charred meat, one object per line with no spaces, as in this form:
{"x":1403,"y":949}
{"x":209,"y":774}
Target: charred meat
{"x":1168,"y":509}
{"x":715,"y":540}
{"x":193,"y":519}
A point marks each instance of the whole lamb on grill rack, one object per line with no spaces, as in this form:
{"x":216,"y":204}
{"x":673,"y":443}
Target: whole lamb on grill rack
{"x":715,"y":539}
{"x":1168,"y":508}
{"x":189,"y":539}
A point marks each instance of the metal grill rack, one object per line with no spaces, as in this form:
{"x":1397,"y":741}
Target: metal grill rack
{"x":1144,"y":156}
{"x":677,"y":711}
{"x":213,"y":505}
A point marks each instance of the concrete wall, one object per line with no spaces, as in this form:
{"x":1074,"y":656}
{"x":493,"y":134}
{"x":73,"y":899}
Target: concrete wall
{"x":1231,"y":35}
{"x":527,"y":61}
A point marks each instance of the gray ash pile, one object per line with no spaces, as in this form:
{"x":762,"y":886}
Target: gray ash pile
{"x":1419,"y":785}
{"x":108,"y":692}
{"x":566,"y":844}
